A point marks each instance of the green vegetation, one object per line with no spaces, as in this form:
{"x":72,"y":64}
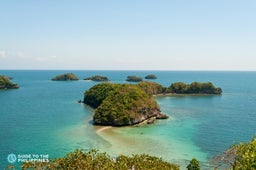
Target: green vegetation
{"x":245,"y":157}
{"x":95,"y":95}
{"x":152,"y":88}
{"x":134,"y":79}
{"x":126,"y":105}
{"x":194,"y":165}
{"x":238,"y":157}
{"x":5,"y":83}
{"x":97,"y":78}
{"x":122,"y":104}
{"x":194,"y":88}
{"x":93,"y":160}
{"x":65,"y":77}
{"x":151,"y":76}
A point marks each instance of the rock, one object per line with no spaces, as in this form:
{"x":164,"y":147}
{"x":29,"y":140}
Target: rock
{"x":162,"y":116}
{"x":151,"y":120}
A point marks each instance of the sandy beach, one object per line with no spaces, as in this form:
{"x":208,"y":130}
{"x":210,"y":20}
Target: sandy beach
{"x":102,"y":128}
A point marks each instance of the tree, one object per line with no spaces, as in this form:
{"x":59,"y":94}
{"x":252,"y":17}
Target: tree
{"x":194,"y":165}
{"x":95,"y":95}
{"x":238,"y":157}
{"x":245,"y":156}
{"x":93,"y":160}
{"x":151,"y":88}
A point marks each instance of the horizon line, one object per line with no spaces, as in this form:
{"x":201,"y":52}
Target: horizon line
{"x":120,"y":70}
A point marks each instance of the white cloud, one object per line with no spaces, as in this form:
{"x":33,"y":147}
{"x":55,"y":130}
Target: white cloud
{"x":20,"y":54}
{"x":2,"y":54}
{"x":46,"y":59}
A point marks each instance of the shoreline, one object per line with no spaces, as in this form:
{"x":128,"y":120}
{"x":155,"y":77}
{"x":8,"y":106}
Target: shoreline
{"x":177,"y":94}
{"x":102,"y":128}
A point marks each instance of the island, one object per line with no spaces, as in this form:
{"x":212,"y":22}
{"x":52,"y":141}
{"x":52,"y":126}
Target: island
{"x":150,"y":76}
{"x":65,"y":77}
{"x":122,"y":105}
{"x":131,"y":104}
{"x":97,"y":78}
{"x":152,"y":88}
{"x":5,"y":83}
{"x":194,"y":88}
{"x":134,"y":79}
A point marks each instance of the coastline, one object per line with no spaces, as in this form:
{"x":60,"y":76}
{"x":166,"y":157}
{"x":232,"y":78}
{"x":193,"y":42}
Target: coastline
{"x":131,"y":140}
{"x":176,"y":94}
{"x":100,"y":129}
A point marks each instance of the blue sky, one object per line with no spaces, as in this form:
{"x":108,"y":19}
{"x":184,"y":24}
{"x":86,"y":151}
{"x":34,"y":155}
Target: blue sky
{"x":128,"y":34}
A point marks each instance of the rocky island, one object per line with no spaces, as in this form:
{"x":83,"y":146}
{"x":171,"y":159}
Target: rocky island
{"x":5,"y":83}
{"x":65,"y":77}
{"x":97,"y":78}
{"x":131,"y":104}
{"x":122,"y":105}
{"x":194,"y":88}
{"x":150,"y":76}
{"x":134,"y":79}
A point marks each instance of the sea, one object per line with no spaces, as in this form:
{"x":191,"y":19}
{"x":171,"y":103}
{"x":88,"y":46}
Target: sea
{"x":43,"y":119}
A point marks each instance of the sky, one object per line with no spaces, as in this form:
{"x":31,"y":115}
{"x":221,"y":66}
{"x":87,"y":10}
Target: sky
{"x":128,"y":34}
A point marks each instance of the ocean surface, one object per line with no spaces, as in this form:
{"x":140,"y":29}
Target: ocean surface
{"x":44,"y":117}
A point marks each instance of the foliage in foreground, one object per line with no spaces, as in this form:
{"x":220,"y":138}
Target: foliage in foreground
{"x":238,"y":157}
{"x":93,"y":160}
{"x":194,"y":165}
{"x":245,"y":156}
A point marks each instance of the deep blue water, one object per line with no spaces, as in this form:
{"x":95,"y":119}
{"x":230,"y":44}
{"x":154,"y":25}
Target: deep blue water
{"x":43,"y":116}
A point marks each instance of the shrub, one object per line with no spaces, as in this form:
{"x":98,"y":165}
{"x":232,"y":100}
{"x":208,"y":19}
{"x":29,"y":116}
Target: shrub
{"x":93,"y":160}
{"x":194,"y":165}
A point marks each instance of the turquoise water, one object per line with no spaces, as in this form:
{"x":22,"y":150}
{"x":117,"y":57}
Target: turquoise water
{"x":43,"y":117}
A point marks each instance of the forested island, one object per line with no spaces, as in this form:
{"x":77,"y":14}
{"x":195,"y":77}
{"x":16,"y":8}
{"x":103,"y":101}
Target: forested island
{"x":133,"y":79}
{"x":121,"y":105}
{"x":65,"y":77}
{"x":150,"y":76}
{"x":97,"y":78}
{"x":6,"y":83}
{"x":194,"y":88}
{"x":130,"y":104}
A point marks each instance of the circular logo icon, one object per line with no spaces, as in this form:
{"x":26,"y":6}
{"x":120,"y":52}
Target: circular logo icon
{"x":11,"y":158}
